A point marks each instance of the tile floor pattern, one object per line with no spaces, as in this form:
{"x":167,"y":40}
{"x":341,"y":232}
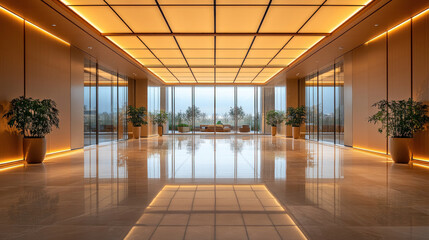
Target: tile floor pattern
{"x":108,"y":191}
{"x":199,"y":212}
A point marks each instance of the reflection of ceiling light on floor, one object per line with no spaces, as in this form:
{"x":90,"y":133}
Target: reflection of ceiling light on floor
{"x":197,"y":209}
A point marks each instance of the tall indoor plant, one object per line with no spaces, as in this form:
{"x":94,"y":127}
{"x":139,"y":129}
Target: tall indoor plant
{"x":295,"y":117}
{"x":159,"y":118}
{"x":34,"y":119}
{"x":274,"y":118}
{"x":400,"y":120}
{"x":137,"y":117}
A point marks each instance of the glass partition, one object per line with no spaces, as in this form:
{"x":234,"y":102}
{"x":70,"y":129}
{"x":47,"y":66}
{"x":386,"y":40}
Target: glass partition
{"x":324,"y":101}
{"x":225,"y":109}
{"x":122,"y":107}
{"x":90,"y":103}
{"x":107,"y":104}
{"x":183,"y":108}
{"x":245,"y":110}
{"x":204,"y":110}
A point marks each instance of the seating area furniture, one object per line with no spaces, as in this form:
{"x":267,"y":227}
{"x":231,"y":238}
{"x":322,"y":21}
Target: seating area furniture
{"x":219,"y":128}
{"x":244,"y":128}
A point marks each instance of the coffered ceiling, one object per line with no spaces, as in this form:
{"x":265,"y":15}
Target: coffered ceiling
{"x":215,"y":41}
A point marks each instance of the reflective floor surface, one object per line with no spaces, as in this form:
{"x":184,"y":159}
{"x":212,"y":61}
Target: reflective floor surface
{"x":215,"y":187}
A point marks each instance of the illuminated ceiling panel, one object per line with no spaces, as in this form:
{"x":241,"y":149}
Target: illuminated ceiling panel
{"x":190,"y":18}
{"x":127,"y":41}
{"x":286,"y":18}
{"x":239,"y":19}
{"x":247,"y":40}
{"x":102,"y":18}
{"x":328,"y":18}
{"x":143,"y":19}
{"x":195,"y":42}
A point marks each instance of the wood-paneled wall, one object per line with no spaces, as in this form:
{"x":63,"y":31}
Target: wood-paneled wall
{"x":11,"y":81}
{"x":394,"y":66}
{"x":37,"y":65}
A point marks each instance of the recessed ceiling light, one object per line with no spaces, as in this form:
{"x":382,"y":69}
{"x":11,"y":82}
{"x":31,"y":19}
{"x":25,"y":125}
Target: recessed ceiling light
{"x":89,"y":47}
{"x":341,"y":48}
{"x":54,"y":25}
{"x":376,"y":25}
{"x":297,"y":74}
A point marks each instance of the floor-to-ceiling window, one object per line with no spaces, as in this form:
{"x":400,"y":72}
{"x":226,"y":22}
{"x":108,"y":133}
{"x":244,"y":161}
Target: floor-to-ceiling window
{"x":225,"y":108}
{"x":204,"y":109}
{"x":90,"y":102}
{"x":210,"y":109}
{"x":105,"y":103}
{"x":324,"y":101}
{"x":183,"y":115}
{"x":153,"y":106}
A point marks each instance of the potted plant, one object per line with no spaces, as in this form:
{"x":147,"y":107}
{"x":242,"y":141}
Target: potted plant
{"x":295,"y":117}
{"x":274,"y":118}
{"x":401,"y":120}
{"x":160,"y":118}
{"x":34,"y":119}
{"x":137,"y":117}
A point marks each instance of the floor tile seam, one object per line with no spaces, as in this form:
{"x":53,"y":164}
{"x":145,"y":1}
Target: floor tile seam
{"x":189,"y":216}
{"x":242,"y":217}
{"x":162,"y":218}
{"x":268,"y":215}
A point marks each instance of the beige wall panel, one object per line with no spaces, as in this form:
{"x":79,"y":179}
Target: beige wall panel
{"x":369,"y":86}
{"x":11,"y":81}
{"x":348,"y":99}
{"x":77,"y":97}
{"x":399,"y":63}
{"x":48,"y":76}
{"x":421,"y":78}
{"x":141,"y":99}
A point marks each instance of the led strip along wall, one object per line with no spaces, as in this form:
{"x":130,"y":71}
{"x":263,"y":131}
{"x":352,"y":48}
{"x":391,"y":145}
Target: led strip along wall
{"x":375,"y":38}
{"x":9,"y":164}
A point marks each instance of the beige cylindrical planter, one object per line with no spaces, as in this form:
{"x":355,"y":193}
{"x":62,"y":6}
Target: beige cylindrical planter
{"x":273,"y":131}
{"x":401,"y":149}
{"x":34,"y":150}
{"x":296,"y":132}
{"x":137,"y":131}
{"x":160,"y":128}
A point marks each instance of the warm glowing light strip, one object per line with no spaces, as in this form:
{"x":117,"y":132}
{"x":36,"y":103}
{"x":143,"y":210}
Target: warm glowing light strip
{"x":370,"y":150}
{"x":357,"y":10}
{"x":399,"y":25}
{"x":11,"y":13}
{"x":423,"y":160}
{"x":34,"y":25}
{"x":421,"y":165}
{"x":10,"y":161}
{"x":48,"y":33}
{"x":15,"y":166}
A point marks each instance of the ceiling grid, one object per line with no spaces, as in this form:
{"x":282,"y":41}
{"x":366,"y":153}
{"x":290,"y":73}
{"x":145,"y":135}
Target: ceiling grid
{"x":215,"y":41}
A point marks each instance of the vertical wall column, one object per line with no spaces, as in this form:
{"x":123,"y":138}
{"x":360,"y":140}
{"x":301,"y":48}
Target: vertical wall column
{"x":292,"y":99}
{"x":141,"y":87}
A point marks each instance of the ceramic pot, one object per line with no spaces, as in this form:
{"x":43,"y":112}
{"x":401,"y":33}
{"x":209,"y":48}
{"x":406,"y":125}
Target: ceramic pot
{"x":137,"y":131}
{"x":401,"y":149}
{"x":160,"y":128}
{"x":296,"y":132}
{"x":273,"y":131}
{"x":34,"y":150}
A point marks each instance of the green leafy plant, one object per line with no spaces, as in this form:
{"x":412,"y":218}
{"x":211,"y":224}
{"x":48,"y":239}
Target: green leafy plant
{"x":182,"y":125}
{"x":400,"y":119}
{"x":295,"y":116}
{"x":219,"y":122}
{"x":159,"y":118}
{"x":137,"y":116}
{"x":274,"y":118}
{"x":33,"y":118}
{"x":192,"y":112}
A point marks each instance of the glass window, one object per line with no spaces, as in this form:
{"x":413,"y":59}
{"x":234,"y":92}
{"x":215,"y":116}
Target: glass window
{"x":122,"y":107}
{"x":107,"y":105}
{"x":90,"y":102}
{"x":245,"y":109}
{"x":204,"y":111}
{"x":183,"y":110}
{"x":224,"y":107}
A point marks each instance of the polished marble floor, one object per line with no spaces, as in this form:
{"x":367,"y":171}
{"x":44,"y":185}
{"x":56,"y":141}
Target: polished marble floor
{"x":215,"y":187}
